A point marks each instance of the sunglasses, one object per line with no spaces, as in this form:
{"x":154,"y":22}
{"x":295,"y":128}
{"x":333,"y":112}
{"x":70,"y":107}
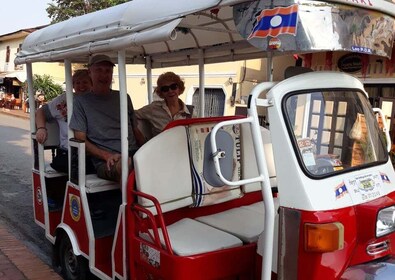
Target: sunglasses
{"x":167,"y":88}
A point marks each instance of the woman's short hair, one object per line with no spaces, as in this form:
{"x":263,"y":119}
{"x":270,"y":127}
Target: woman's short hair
{"x":80,"y":73}
{"x":169,"y":77}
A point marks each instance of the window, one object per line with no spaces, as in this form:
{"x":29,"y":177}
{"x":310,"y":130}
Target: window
{"x":383,"y":96}
{"x":18,"y":67}
{"x":214,"y":102}
{"x":334,"y":131}
{"x":7,"y":55}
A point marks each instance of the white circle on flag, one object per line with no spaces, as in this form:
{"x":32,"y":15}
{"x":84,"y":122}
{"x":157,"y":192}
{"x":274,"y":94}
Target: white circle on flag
{"x":276,"y":21}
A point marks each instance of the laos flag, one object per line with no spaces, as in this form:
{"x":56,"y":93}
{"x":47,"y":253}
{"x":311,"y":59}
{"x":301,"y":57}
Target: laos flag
{"x":273,"y":22}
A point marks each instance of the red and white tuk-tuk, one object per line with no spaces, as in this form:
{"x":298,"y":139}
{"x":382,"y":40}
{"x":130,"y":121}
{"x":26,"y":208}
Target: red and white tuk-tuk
{"x":223,"y":198}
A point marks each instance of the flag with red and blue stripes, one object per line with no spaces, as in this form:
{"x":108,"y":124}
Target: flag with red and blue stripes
{"x":273,"y":22}
{"x":385,"y":178}
{"x":341,"y":190}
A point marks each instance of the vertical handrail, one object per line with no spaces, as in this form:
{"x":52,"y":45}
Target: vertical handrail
{"x":385,"y":129}
{"x":263,"y":176}
{"x":201,"y":84}
{"x":268,"y":233}
{"x":148,"y":66}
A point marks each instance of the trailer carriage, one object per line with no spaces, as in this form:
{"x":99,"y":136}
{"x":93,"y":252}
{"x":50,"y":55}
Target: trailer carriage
{"x":223,"y":198}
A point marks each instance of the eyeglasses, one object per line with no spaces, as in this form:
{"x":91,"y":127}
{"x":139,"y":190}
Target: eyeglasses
{"x":167,"y":88}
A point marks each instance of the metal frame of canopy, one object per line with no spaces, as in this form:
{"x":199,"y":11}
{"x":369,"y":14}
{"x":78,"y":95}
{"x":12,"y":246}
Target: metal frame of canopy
{"x":174,"y":33}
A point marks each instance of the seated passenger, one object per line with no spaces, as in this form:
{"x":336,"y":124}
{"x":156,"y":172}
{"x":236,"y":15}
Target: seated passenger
{"x":56,"y":109}
{"x":96,"y":121}
{"x":159,"y":113}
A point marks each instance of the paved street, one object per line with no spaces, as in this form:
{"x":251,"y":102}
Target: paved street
{"x":16,"y":211}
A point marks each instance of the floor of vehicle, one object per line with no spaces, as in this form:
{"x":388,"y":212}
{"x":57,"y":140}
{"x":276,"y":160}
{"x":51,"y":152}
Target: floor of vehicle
{"x":55,"y":187}
{"x":104,"y":208}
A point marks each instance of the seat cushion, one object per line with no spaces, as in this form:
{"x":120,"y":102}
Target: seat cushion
{"x":246,"y":222}
{"x":95,"y":184}
{"x":189,"y":237}
{"x":258,"y":207}
{"x":243,"y":223}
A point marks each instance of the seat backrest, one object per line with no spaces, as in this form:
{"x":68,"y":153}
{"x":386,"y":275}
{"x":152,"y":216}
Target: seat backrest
{"x":52,"y":143}
{"x":208,"y":189}
{"x":248,"y":159}
{"x":53,"y":140}
{"x":162,"y":170}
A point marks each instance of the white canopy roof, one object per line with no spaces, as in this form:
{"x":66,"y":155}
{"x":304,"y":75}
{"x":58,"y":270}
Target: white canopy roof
{"x":170,"y":32}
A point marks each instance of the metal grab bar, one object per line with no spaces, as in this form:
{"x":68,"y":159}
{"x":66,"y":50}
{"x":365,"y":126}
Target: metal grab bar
{"x":263,"y":177}
{"x":385,"y":129}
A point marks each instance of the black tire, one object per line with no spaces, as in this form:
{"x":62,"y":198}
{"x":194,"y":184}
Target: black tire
{"x":72,"y":267}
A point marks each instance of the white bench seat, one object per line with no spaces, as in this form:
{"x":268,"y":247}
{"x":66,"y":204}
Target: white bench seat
{"x":176,"y":152}
{"x":189,"y":237}
{"x":245,"y":222}
{"x":95,"y":184}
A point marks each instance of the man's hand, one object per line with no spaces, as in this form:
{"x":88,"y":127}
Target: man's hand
{"x":112,"y":159}
{"x":41,"y":131}
{"x":41,"y":135}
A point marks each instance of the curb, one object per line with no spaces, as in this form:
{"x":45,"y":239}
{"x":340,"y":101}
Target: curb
{"x":20,"y":114}
{"x":22,"y":260}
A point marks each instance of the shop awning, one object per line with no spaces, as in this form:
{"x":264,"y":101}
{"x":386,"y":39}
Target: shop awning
{"x":21,"y":76}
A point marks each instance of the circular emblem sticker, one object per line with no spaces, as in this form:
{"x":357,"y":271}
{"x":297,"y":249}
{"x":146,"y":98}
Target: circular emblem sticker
{"x":274,"y":43}
{"x":75,"y":207}
{"x":39,"y":196}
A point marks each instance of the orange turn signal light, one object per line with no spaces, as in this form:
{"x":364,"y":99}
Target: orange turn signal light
{"x":323,"y":237}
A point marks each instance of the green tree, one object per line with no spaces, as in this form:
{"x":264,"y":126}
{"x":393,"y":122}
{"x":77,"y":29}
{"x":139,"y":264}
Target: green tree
{"x":46,"y":85}
{"x":65,"y":9}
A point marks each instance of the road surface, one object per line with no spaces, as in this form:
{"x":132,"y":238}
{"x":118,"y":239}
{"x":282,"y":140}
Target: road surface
{"x":16,"y":210}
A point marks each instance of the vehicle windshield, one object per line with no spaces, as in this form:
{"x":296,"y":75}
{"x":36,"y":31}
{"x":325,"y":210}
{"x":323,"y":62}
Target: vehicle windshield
{"x":334,"y":130}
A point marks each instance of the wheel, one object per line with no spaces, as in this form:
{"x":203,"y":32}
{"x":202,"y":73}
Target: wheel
{"x":72,"y":267}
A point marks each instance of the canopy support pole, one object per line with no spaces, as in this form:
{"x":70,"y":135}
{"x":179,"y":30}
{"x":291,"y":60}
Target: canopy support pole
{"x":123,"y":99}
{"x":32,"y":99}
{"x":69,"y":94}
{"x":148,"y":66}
{"x":124,"y":119}
{"x":201,"y":84}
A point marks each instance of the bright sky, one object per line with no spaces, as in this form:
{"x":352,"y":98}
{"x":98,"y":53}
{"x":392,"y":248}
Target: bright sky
{"x":22,"y":14}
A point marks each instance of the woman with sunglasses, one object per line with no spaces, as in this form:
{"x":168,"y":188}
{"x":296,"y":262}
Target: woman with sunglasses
{"x":159,"y":113}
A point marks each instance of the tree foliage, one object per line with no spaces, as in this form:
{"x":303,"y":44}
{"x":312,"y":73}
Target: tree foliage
{"x":46,"y":85}
{"x":65,"y":9}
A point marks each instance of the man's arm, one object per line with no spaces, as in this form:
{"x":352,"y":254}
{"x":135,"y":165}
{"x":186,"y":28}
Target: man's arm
{"x":140,"y":139}
{"x":94,"y":150}
{"x":138,"y":135}
{"x":41,"y":131}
